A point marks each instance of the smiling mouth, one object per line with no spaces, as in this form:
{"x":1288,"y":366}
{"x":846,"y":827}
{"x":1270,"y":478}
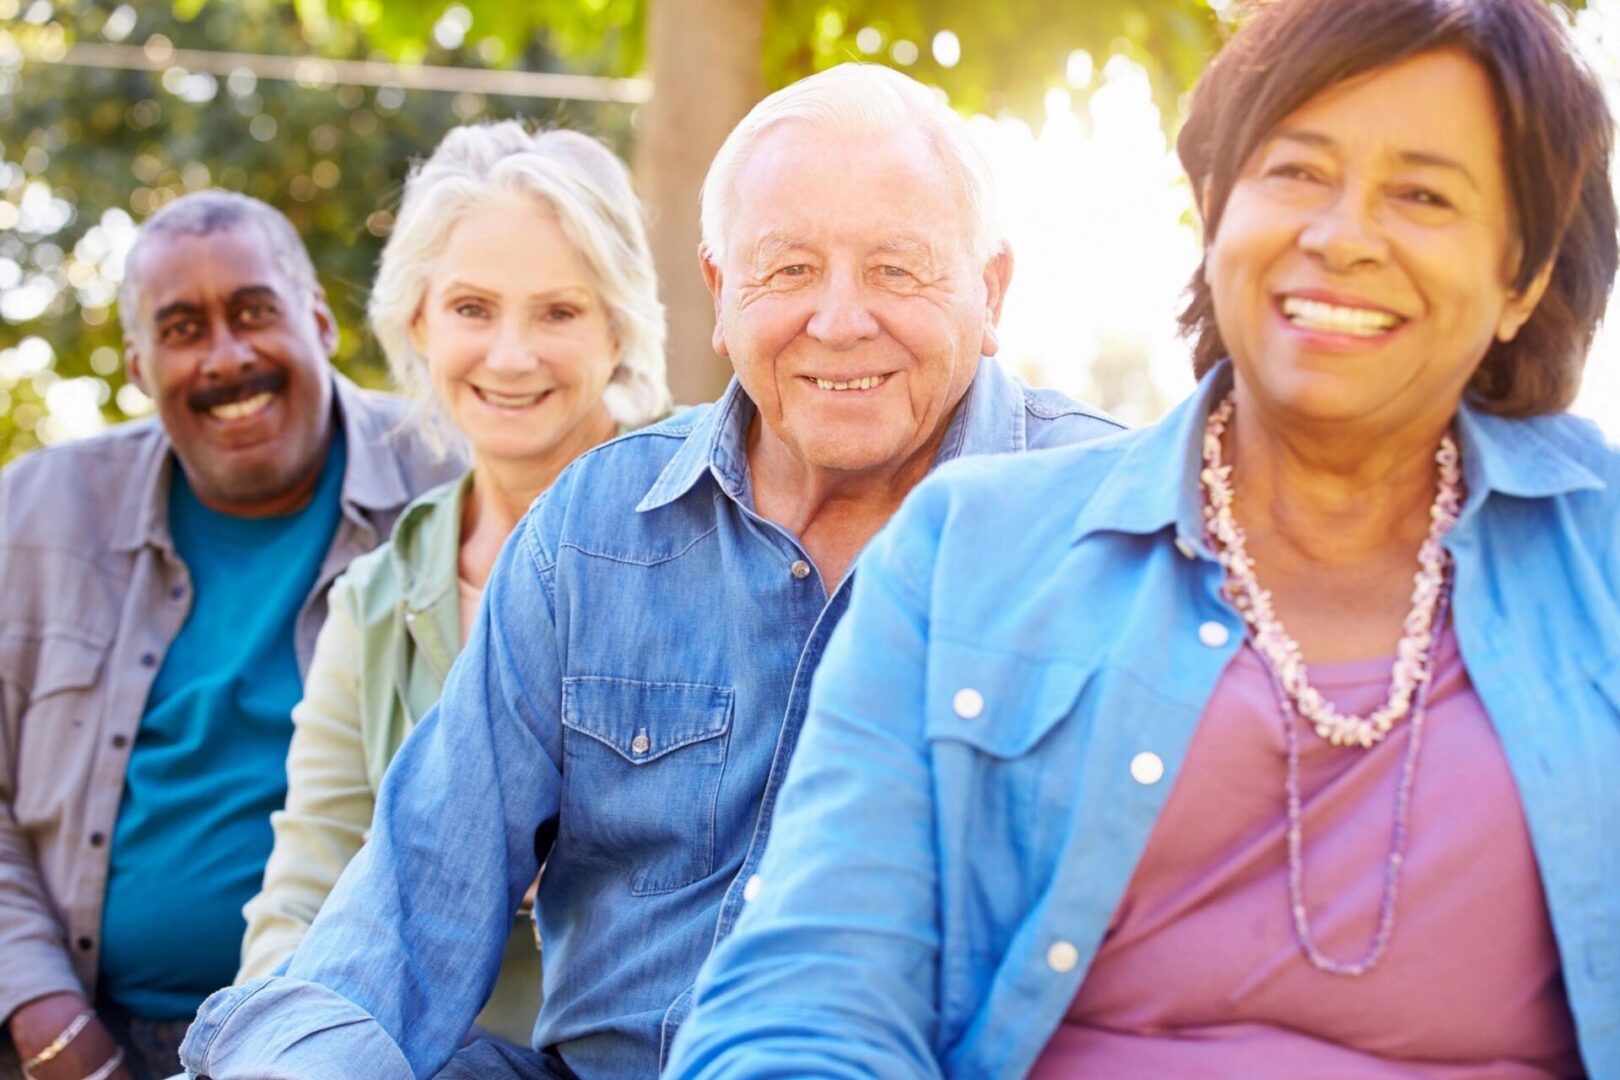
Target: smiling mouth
{"x":1328,"y":318}
{"x":509,"y":401}
{"x":865,"y":382}
{"x":241,"y":410}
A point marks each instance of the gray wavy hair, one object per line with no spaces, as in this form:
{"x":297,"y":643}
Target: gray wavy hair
{"x":589,"y":189}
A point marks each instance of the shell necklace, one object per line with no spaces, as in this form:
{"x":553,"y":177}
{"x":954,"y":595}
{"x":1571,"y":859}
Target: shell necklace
{"x":1411,"y":678}
{"x":1272,"y":639}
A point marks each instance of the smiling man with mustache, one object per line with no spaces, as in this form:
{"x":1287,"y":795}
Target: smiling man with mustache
{"x":156,"y":626}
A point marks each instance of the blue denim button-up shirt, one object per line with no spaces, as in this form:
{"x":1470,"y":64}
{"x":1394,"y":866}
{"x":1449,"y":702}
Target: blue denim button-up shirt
{"x":961,"y":819}
{"x":627,"y":705}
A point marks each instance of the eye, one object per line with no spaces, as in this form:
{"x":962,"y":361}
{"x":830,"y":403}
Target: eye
{"x":471,"y":309}
{"x":793,"y":270}
{"x":1422,"y":196}
{"x":894,"y":271}
{"x":179,"y":330}
{"x":561,"y":313}
{"x":255,"y":315}
{"x":1291,"y":170}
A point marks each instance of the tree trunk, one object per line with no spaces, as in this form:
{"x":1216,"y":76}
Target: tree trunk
{"x":707,"y":71}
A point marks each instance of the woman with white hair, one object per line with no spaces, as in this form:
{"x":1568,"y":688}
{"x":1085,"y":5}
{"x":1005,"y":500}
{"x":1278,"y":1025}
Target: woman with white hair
{"x":516,"y":301}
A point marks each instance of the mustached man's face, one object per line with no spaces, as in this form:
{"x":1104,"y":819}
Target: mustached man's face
{"x":233,"y":351}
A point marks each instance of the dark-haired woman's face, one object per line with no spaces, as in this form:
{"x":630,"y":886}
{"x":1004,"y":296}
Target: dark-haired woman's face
{"x":1364,"y":261}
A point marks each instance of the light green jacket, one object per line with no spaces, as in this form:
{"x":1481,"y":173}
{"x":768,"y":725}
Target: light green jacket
{"x":380,"y":662}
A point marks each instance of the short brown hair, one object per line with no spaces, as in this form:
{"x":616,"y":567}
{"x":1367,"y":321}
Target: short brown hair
{"x":1557,"y":137}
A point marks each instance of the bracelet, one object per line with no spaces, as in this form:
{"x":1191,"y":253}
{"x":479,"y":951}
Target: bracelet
{"x":110,"y":1067}
{"x":60,"y":1043}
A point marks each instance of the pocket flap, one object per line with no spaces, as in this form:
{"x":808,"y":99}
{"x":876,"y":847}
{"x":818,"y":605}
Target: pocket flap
{"x":66,"y":663}
{"x":643,"y":721}
{"x":999,"y":702}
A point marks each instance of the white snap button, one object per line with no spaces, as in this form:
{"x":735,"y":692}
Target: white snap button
{"x":410,"y":616}
{"x":751,"y":889}
{"x":1147,"y":768}
{"x":1184,"y":546}
{"x":640,"y":744}
{"x":800,"y":569}
{"x":1062,"y":956}
{"x":1214,"y":634}
{"x":968,"y":703}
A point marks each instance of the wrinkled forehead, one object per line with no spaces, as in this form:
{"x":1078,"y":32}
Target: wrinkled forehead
{"x":883,"y":186}
{"x":167,"y":268}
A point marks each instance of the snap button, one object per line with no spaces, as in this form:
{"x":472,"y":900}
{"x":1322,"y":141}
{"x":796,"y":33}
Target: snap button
{"x":410,"y":616}
{"x":640,"y":744}
{"x":148,"y":660}
{"x":1214,"y":634}
{"x":751,"y":889}
{"x":1147,"y":768}
{"x":800,"y":569}
{"x":1062,"y":956}
{"x":1184,"y":546}
{"x":968,"y":703}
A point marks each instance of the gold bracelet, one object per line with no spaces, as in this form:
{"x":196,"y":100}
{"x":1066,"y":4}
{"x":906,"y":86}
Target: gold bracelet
{"x":109,"y":1067}
{"x":60,"y":1043}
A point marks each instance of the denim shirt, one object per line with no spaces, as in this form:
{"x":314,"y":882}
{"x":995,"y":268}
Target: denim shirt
{"x":627,"y":704}
{"x":1028,"y":642}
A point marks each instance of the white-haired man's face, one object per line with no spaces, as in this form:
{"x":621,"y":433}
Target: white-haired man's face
{"x":849,"y":299}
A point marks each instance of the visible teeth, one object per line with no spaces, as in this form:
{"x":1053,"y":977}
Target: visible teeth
{"x":866,"y":382}
{"x":1316,"y":315}
{"x":235,"y":410}
{"x":511,"y":401}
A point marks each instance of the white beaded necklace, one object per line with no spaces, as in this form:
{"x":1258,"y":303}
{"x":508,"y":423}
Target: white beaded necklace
{"x":1411,"y":680}
{"x":1272,"y":639}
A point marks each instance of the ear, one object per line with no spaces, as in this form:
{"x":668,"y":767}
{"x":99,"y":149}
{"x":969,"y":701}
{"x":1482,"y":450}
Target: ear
{"x":1521,"y":305}
{"x":132,"y":367}
{"x":998,"y":273}
{"x":325,"y":325}
{"x":715,"y":280}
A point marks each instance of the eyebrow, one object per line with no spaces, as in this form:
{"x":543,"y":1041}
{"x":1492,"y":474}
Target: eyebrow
{"x":192,"y":309}
{"x":775,"y":243}
{"x":1423,"y":158}
{"x":457,"y":284}
{"x":906,"y":245}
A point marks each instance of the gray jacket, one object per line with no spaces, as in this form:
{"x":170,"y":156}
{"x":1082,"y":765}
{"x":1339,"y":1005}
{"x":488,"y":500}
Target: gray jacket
{"x":93,"y":593}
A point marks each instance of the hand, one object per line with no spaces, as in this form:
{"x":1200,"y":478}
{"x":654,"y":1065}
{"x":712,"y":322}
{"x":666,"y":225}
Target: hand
{"x":36,"y":1025}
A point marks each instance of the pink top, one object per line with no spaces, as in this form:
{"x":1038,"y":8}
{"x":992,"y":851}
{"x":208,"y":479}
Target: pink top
{"x":1199,"y":973}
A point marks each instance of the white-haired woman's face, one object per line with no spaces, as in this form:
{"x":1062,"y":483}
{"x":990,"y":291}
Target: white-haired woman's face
{"x":518,"y":343}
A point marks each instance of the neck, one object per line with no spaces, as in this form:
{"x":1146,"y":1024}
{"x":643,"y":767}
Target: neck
{"x":503,"y":489}
{"x":1334,"y":498}
{"x":833,"y":512}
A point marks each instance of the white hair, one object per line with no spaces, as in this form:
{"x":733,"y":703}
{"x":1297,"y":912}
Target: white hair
{"x":857,"y":100}
{"x":588,"y":188}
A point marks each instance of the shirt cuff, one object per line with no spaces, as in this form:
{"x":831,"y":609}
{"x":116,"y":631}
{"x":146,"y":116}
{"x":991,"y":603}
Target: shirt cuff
{"x":276,"y":1028}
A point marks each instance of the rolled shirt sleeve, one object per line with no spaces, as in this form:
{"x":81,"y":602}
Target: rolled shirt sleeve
{"x":408,"y":945}
{"x":832,"y":970}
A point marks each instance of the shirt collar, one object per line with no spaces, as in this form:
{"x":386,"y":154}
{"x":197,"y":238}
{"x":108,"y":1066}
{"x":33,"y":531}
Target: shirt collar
{"x":1155,"y":482}
{"x":991,"y":419}
{"x":373,"y":478}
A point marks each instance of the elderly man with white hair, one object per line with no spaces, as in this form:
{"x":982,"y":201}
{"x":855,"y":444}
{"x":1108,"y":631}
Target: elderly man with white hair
{"x":636,"y":680}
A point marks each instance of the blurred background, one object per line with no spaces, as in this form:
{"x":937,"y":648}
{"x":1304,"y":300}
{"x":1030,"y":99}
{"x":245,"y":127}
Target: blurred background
{"x":108,"y":110}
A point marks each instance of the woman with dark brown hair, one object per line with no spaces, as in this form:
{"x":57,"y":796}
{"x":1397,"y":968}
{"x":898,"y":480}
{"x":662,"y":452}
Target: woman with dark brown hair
{"x":1278,"y":739}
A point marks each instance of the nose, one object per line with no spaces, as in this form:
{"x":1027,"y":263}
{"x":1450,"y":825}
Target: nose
{"x":511,"y":353}
{"x":229,"y":354}
{"x":1345,"y":233}
{"x":843,"y":318}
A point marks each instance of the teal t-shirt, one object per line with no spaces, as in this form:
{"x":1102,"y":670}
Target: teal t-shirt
{"x":209,"y":762}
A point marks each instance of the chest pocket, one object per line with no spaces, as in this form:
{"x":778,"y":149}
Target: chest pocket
{"x":64,"y":701}
{"x":642,"y":764}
